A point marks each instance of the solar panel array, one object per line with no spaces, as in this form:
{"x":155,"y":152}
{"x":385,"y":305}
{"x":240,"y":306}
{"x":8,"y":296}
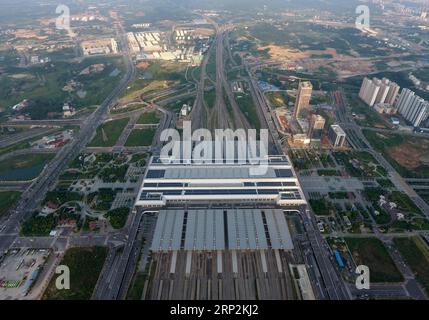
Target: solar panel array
{"x":242,"y":229}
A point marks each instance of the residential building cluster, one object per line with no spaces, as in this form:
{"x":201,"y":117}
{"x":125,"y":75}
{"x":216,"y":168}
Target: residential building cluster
{"x":384,"y":96}
{"x":100,"y":46}
{"x":378,"y":91}
{"x":155,"y":45}
{"x":412,"y":107}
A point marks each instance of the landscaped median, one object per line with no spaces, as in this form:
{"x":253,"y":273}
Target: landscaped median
{"x":108,"y":133}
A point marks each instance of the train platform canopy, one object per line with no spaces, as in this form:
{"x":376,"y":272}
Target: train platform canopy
{"x":221,"y":229}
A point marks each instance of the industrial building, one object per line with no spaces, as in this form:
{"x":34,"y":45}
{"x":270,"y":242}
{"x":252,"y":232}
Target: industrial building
{"x":337,"y":136}
{"x":182,"y":182}
{"x":303,"y":97}
{"x":412,"y":107}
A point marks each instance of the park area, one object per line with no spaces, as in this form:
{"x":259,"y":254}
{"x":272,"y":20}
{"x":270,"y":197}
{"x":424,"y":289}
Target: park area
{"x":360,"y":164}
{"x":372,"y":253}
{"x":85,"y":265}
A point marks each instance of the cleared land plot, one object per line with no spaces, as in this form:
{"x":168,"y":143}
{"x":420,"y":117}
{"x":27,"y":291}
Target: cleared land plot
{"x":278,"y":99}
{"x":85,"y":266}
{"x":22,"y":168}
{"x":140,"y":137}
{"x":372,"y":253}
{"x":416,"y":254}
{"x":108,"y":133}
{"x":409,"y":155}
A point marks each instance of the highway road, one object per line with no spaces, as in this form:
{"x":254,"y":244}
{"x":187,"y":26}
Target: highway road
{"x":120,"y":266}
{"x":46,"y":123}
{"x":332,"y":281}
{"x":23,"y":152}
{"x":11,"y":139}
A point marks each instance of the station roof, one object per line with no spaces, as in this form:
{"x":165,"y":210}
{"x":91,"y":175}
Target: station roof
{"x":234,"y":229}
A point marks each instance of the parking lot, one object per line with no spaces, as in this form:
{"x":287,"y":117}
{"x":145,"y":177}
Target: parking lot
{"x":19,"y":269}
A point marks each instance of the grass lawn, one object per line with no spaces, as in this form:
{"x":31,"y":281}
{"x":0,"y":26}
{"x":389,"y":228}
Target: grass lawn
{"x":140,"y":137}
{"x":22,"y":168}
{"x":210,"y":98}
{"x":372,"y":253}
{"x":278,"y":99}
{"x":108,"y":133}
{"x":416,"y":254}
{"x":321,"y":207}
{"x":132,"y":107}
{"x":148,"y":118}
{"x":118,"y":217}
{"x":246,"y":105}
{"x":7,"y":200}
{"x":136,"y":290}
{"x":85,"y":266}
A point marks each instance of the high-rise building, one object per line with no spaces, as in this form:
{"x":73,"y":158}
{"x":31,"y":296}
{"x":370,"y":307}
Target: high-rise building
{"x":337,"y":136}
{"x":317,"y":123}
{"x":369,"y":91}
{"x":303,"y":97}
{"x":377,"y":91}
{"x":393,"y":93}
{"x":412,"y":107}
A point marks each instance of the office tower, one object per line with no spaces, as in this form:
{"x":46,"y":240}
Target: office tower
{"x":377,"y":91}
{"x":337,"y":136}
{"x":412,"y":107}
{"x":303,"y":97}
{"x":317,"y":123}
